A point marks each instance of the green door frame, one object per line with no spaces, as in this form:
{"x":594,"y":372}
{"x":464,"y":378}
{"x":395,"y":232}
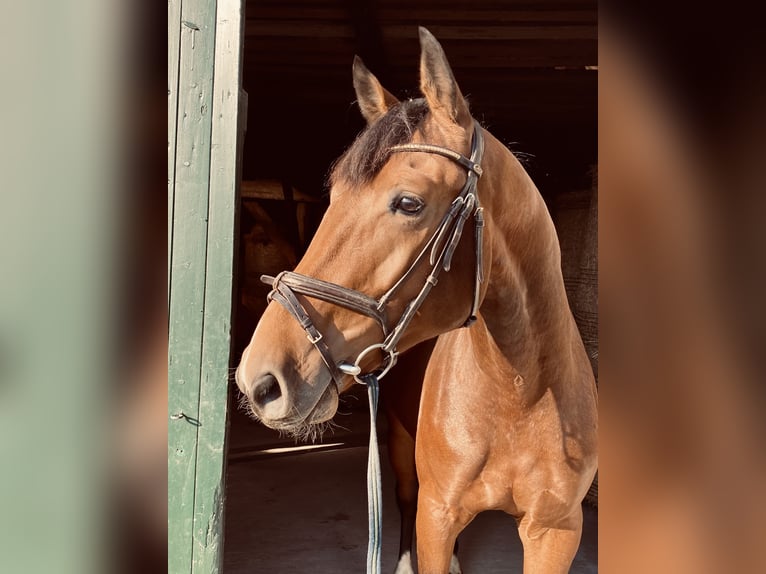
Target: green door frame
{"x":204,"y":81}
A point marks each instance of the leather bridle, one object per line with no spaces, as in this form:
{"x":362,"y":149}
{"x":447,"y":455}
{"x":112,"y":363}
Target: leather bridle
{"x":441,"y":244}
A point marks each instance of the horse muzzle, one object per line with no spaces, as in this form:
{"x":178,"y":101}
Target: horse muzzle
{"x":285,"y":403}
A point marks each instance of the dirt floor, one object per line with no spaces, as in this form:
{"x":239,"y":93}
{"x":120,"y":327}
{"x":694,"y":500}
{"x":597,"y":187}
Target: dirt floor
{"x":305,"y":511}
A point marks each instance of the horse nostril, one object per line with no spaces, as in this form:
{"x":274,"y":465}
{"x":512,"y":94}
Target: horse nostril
{"x":266,"y":390}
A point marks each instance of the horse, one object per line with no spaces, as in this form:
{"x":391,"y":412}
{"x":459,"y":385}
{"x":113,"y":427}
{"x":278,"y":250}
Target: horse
{"x":507,"y":416}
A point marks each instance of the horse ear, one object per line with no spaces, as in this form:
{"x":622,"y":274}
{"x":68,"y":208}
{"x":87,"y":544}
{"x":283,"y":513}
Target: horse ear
{"x":374,"y":100}
{"x":438,"y":83}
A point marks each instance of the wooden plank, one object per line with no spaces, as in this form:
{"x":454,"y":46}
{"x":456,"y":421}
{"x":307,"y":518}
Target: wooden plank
{"x":403,"y":53}
{"x":446,"y":32}
{"x":298,"y":28}
{"x":174,"y":53}
{"x":464,"y":5}
{"x":273,"y":189}
{"x":480,"y":15}
{"x":415,"y":15}
{"x":192,"y":169}
{"x":209,"y":490}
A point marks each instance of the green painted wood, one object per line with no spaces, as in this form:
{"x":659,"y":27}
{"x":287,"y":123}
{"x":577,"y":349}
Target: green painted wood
{"x":187,"y":267}
{"x":174,"y":54}
{"x":224,"y":178}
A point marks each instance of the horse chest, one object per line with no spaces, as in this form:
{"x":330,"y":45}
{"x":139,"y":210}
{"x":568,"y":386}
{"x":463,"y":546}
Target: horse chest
{"x":482,"y":414}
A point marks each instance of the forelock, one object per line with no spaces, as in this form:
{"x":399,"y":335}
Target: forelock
{"x":371,"y":149}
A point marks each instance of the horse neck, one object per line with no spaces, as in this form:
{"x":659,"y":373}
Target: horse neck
{"x":525,"y":309}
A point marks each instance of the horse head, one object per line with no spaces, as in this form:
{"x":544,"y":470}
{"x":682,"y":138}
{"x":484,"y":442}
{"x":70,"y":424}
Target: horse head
{"x":400,"y":199}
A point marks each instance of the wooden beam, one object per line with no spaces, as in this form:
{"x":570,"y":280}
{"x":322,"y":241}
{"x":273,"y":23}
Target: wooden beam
{"x":273,"y":189}
{"x":308,"y":29}
{"x":191,"y":177}
{"x":207,"y":557}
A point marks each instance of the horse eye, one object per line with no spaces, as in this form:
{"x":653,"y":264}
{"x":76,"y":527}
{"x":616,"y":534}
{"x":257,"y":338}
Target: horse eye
{"x":408,"y":205}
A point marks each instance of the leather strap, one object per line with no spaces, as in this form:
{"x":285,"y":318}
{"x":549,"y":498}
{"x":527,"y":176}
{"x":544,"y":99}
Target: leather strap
{"x":331,"y":293}
{"x":470,"y":164}
{"x":285,"y":297}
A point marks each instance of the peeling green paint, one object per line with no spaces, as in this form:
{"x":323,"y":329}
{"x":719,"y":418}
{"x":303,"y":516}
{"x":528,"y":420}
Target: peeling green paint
{"x":202,"y":190}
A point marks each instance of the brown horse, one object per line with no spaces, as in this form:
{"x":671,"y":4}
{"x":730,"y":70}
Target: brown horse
{"x":508,"y":416}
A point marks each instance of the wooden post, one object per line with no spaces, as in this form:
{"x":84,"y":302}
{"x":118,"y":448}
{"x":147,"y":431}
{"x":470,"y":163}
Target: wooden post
{"x":202,"y":190}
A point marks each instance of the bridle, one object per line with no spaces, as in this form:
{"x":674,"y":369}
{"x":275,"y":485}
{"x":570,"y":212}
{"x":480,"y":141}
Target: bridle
{"x":441,"y":245}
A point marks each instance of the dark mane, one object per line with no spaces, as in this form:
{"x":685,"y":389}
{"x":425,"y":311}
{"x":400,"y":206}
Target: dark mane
{"x":369,"y":152}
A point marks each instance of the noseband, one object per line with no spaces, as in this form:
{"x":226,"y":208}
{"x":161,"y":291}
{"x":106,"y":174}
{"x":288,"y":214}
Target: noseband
{"x":441,"y":244}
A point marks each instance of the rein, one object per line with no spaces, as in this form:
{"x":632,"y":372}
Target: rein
{"x":440,"y":249}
